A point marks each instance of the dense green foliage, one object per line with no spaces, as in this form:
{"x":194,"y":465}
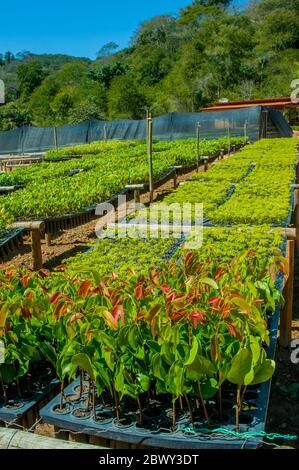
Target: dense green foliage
{"x":182,"y":329}
{"x":257,"y":180}
{"x":107,"y":170}
{"x":208,"y":51}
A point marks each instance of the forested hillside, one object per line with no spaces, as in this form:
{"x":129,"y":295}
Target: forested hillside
{"x":208,"y":51}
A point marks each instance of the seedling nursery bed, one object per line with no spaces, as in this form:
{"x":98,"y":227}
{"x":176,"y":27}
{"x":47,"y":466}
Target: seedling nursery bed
{"x":33,"y":393}
{"x":10,"y":240}
{"x":156,"y":428}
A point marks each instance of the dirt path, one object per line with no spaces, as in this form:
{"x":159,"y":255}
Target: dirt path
{"x":68,"y":243}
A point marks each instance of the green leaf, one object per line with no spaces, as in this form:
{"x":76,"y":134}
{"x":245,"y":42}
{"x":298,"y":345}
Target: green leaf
{"x":264,"y":372}
{"x":83,"y":361}
{"x":193,"y":351}
{"x":210,"y":282}
{"x":241,"y":371}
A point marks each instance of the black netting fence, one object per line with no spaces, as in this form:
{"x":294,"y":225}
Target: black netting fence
{"x":171,"y":126}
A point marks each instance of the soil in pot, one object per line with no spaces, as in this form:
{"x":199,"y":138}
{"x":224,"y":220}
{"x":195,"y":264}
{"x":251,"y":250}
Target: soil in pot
{"x":124,"y":422}
{"x":14,"y":404}
{"x":81,"y":413}
{"x":62,"y":410}
{"x":103,"y":417}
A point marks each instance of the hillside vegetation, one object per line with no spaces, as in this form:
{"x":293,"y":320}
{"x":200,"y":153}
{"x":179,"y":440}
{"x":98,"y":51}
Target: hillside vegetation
{"x":208,"y":51}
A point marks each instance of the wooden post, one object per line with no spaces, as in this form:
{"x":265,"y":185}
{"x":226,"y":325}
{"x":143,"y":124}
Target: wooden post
{"x":137,"y":195}
{"x":287,"y":311}
{"x":48,"y":238}
{"x":206,"y":163}
{"x":175,"y":179}
{"x":35,"y":228}
{"x":150,"y":157}
{"x":296,"y":217}
{"x":197,"y":146}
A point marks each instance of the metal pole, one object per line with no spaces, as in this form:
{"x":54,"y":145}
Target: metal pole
{"x":105,"y":133}
{"x":245,"y":129}
{"x":197,"y":145}
{"x":228,"y":138}
{"x":150,"y":157}
{"x":55,"y":138}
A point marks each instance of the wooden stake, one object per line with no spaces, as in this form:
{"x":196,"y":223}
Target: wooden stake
{"x":296,"y":217}
{"x":150,"y":157}
{"x":197,"y":146}
{"x":48,"y":238}
{"x":35,"y":227}
{"x":287,"y":311}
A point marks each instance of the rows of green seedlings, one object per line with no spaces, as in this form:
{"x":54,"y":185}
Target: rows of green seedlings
{"x":180,"y":330}
{"x":100,"y":154}
{"x":105,"y":174}
{"x":263,"y":197}
{"x":261,"y":176}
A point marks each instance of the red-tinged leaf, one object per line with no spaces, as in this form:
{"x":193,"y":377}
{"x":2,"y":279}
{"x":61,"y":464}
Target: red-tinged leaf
{"x":196,"y":317}
{"x":170,"y":297}
{"x":150,"y":288}
{"x":95,"y":291}
{"x":166,"y":289}
{"x":232,"y":330}
{"x":219,"y":273}
{"x":155,"y":278}
{"x":214,"y":301}
{"x":105,"y":290}
{"x":55,"y":297}
{"x":29,"y":296}
{"x":60,"y":310}
{"x":259,"y":301}
{"x":189,"y":258}
{"x":114,"y":276}
{"x":84,"y":288}
{"x":178,"y":315}
{"x":250,"y":254}
{"x":139,"y":291}
{"x":75,"y":317}
{"x":44,"y":272}
{"x":26,"y":312}
{"x":118,"y":312}
{"x":44,"y":289}
{"x":61,"y":267}
{"x":25,"y":280}
{"x":74,"y":281}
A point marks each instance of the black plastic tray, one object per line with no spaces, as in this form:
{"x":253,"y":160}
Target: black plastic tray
{"x":159,"y":435}
{"x":11,"y":414}
{"x":11,"y":241}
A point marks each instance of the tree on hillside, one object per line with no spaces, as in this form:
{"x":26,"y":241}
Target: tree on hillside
{"x":30,"y":75}
{"x":8,"y":57}
{"x":62,"y":93}
{"x":193,"y":12}
{"x":107,"y":73}
{"x":13,"y":115}
{"x":107,"y":50}
{"x":126,"y":99}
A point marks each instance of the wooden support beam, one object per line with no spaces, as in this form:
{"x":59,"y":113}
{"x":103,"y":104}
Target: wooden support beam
{"x":288,"y":292}
{"x":16,"y":439}
{"x":290,"y":233}
{"x":296,"y":216}
{"x":35,"y":227}
{"x":48,"y":238}
{"x":137,"y":195}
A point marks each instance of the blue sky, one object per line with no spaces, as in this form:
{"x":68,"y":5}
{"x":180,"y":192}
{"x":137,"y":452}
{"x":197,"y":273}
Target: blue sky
{"x":75,"y":27}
